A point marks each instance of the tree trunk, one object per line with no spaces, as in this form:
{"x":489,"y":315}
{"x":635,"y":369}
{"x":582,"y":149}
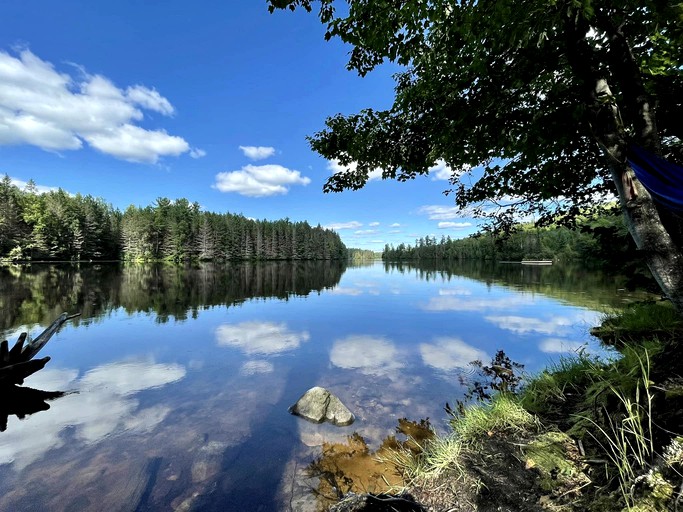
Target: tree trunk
{"x":663,"y":256}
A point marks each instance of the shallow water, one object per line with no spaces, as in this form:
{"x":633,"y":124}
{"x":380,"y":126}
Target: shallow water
{"x":180,"y":379}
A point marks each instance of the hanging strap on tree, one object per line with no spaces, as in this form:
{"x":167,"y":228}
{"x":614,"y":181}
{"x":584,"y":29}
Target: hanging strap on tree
{"x":663,"y":179}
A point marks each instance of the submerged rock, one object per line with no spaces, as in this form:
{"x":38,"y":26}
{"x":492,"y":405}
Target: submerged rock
{"x":318,"y":405}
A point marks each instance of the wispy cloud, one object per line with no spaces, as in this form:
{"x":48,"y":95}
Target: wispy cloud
{"x":395,"y":225}
{"x":55,"y":111}
{"x":197,"y":153}
{"x":344,"y":225}
{"x":454,"y":225}
{"x":259,"y":180}
{"x":257,"y":152}
{"x":436,"y":212}
{"x":365,"y":232}
{"x":440,"y":171}
{"x":337,"y":168}
{"x":373,"y":224}
{"x":265,"y":338}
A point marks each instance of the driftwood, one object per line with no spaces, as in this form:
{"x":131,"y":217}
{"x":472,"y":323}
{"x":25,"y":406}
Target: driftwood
{"x":16,"y":364}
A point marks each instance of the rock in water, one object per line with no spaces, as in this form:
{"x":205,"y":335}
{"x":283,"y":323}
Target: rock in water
{"x":318,"y":405}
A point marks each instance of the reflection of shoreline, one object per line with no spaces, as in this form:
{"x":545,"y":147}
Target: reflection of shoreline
{"x":570,"y":282}
{"x":33,"y":294}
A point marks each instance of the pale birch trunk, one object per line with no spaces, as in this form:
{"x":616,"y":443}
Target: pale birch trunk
{"x":662,"y":254}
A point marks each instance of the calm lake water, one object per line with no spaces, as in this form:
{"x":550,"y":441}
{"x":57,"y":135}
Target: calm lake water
{"x":180,"y":379}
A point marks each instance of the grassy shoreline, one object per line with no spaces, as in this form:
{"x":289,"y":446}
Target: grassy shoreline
{"x":582,"y":435}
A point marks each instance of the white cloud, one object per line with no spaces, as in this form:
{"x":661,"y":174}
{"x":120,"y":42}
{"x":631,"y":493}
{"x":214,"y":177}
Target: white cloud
{"x":197,"y":153}
{"x":102,"y":405}
{"x":259,"y":180}
{"x":337,"y":168}
{"x":454,"y":225}
{"x":440,"y":171}
{"x":395,"y":231}
{"x":450,"y":353}
{"x":257,"y":152}
{"x":42,"y":189}
{"x":435,"y":212}
{"x":365,"y":232}
{"x":149,"y":99}
{"x":264,"y":338}
{"x":368,"y":354}
{"x":55,"y":111}
{"x":344,"y":225}
{"x":373,"y":224}
{"x":135,"y":144}
{"x":395,"y":225}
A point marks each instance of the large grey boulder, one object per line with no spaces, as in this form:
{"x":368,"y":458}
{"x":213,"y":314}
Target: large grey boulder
{"x":318,"y":405}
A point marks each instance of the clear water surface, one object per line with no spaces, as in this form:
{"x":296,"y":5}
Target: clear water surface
{"x":179,"y":379}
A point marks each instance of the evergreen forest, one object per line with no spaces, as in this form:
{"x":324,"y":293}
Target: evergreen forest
{"x":602,"y":241}
{"x":58,"y":226}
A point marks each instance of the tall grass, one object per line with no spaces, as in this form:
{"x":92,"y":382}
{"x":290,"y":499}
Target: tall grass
{"x":626,"y":438}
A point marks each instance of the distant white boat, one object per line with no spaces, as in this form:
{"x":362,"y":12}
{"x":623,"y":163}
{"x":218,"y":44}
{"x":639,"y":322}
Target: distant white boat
{"x":529,"y":262}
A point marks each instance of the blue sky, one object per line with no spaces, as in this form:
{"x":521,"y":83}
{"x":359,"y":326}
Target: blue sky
{"x":139,"y":99}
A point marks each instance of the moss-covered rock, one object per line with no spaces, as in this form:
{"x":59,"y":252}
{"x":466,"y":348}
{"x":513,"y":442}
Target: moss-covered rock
{"x":556,"y":459}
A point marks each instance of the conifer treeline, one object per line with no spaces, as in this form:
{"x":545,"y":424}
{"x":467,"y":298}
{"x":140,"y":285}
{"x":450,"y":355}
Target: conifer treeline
{"x":58,"y":226}
{"x":604,"y":241}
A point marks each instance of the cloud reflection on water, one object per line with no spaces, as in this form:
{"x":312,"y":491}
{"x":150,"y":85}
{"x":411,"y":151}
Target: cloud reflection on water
{"x":263,"y":338}
{"x":371,"y":355}
{"x":101,"y":407}
{"x":559,"y":346}
{"x":556,"y":325}
{"x":449,"y":353}
{"x":452,"y":302}
{"x":255,"y":367}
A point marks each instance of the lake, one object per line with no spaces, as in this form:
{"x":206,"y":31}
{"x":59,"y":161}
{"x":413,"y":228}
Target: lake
{"x":178,"y":380}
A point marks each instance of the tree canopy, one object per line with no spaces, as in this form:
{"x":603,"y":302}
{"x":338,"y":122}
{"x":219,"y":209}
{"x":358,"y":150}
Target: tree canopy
{"x":513,"y":95}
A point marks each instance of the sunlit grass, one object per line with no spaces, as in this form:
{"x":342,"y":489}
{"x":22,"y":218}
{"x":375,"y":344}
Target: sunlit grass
{"x":502,"y":413}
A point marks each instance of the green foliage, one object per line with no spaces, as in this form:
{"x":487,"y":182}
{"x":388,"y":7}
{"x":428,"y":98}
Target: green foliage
{"x":361,"y":255}
{"x":644,"y":317}
{"x":501,"y":375}
{"x":604,"y":241}
{"x":57,"y":226}
{"x":504,"y":86}
{"x":503,"y":413}
{"x":38,"y":294}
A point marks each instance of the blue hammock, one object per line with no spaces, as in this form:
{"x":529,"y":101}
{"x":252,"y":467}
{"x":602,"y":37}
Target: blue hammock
{"x":662,"y":179}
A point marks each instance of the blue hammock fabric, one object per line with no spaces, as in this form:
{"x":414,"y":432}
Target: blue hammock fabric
{"x":661,"y":178}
